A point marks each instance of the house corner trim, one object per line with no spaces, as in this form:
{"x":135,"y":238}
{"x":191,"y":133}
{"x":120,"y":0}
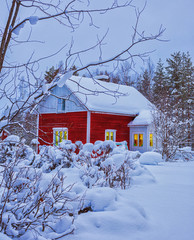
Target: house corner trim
{"x":88,"y":126}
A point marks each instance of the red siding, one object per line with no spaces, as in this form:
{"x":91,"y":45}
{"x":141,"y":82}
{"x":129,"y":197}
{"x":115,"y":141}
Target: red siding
{"x":76,"y":122}
{"x":4,"y":134}
{"x":101,"y":122}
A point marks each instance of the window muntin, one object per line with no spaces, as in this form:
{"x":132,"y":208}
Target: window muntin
{"x":110,"y":134}
{"x":151,"y":140}
{"x":138,"y":140}
{"x":61,"y":105}
{"x":59,"y":134}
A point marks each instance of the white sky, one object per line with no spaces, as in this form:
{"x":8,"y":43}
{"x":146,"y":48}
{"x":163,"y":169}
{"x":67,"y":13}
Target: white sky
{"x":175,"y":15}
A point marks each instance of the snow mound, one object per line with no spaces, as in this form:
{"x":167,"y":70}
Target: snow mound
{"x":100,"y":199}
{"x":12,"y":139}
{"x":150,"y":158}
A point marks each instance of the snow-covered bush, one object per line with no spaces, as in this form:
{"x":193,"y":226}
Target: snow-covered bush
{"x":11,"y":146}
{"x":33,"y":203}
{"x":50,"y":157}
{"x":104,"y":164}
{"x":185,"y":154}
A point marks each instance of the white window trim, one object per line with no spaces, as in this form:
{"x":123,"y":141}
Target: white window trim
{"x":114,"y":134}
{"x":59,"y":129}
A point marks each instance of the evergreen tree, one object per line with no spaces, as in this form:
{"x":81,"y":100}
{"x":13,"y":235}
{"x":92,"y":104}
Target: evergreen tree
{"x":160,"y":84}
{"x":180,"y":73}
{"x":146,"y":84}
{"x":172,"y":94}
{"x":51,"y":74}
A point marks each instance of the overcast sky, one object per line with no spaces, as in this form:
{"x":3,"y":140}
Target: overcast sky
{"x":174,"y":15}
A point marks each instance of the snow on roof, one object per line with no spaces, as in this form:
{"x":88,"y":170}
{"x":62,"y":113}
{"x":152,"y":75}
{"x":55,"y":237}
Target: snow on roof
{"x":144,"y":118}
{"x":109,"y":97}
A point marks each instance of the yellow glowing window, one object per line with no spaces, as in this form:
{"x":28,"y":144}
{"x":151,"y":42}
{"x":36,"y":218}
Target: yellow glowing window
{"x":151,"y":140}
{"x":140,"y":140}
{"x":59,"y":134}
{"x":135,"y":140}
{"x":107,"y":135}
{"x":56,"y":137}
{"x":110,"y":134}
{"x":65,"y":135}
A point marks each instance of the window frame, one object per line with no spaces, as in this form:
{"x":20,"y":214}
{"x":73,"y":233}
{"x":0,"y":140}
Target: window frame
{"x":63,"y":130}
{"x":138,"y":139}
{"x":109,"y":131}
{"x":61,"y":104}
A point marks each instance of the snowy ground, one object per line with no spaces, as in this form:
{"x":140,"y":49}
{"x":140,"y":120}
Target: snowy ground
{"x":150,"y":210}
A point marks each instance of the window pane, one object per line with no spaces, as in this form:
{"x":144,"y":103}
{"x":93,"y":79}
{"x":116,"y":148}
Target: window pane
{"x":63,"y":105}
{"x":65,"y":135}
{"x":151,"y":140}
{"x":111,"y":136}
{"x":56,"y":138}
{"x":61,"y":136}
{"x":140,"y":140}
{"x":107,"y":135}
{"x":135,"y":140}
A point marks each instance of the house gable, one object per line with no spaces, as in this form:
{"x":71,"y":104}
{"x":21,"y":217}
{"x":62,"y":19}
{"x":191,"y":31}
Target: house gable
{"x":50,"y":103}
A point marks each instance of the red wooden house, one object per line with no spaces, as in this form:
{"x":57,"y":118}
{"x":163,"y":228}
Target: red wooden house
{"x":88,"y":110}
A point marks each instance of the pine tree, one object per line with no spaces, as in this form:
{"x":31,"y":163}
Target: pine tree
{"x":160,"y":86}
{"x":51,"y":74}
{"x":172,"y":94}
{"x":180,"y":73}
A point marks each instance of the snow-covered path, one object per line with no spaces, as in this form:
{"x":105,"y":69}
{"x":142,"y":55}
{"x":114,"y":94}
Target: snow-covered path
{"x":169,"y":204}
{"x":163,"y":210}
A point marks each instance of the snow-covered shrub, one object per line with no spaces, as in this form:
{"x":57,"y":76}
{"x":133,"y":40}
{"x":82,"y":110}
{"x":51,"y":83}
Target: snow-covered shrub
{"x":104,"y":164}
{"x":50,"y":157}
{"x":11,"y":146}
{"x":185,"y":154}
{"x":33,"y":202}
{"x":117,"y":169}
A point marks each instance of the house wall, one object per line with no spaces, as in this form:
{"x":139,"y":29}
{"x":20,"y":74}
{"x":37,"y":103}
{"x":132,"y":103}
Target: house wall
{"x":101,"y":122}
{"x":49,"y":104}
{"x":76,"y":122}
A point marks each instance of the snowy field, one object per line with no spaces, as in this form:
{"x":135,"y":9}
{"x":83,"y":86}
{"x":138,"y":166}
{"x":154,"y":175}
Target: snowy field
{"x":150,"y":210}
{"x":95,"y":191}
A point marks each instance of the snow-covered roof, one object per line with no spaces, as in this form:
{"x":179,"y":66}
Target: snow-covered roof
{"x":109,"y":97}
{"x":144,"y":118}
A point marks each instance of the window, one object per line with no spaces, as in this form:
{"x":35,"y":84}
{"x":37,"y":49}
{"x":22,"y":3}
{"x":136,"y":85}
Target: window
{"x":135,"y":140}
{"x":61,"y":105}
{"x":151,"y":140}
{"x":59,"y":134}
{"x":110,"y":134}
{"x":138,"y":140}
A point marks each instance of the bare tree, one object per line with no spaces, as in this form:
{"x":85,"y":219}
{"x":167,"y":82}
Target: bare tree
{"x":70,"y":14}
